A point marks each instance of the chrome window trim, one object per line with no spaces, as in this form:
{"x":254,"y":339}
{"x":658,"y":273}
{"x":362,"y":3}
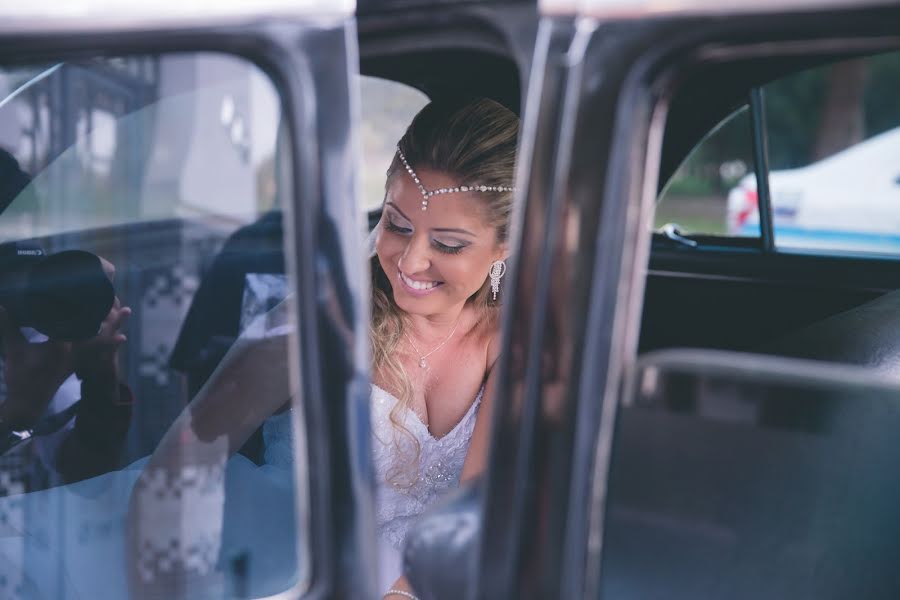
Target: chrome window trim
{"x":516,"y":418}
{"x":642,"y":9}
{"x":116,"y":15}
{"x":747,"y":365}
{"x":626,"y":336}
{"x":575,"y":254}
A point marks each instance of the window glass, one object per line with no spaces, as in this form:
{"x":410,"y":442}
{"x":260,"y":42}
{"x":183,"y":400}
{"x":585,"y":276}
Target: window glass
{"x":145,"y":423}
{"x":700,"y":196}
{"x":388,"y":108}
{"x":834,"y":142}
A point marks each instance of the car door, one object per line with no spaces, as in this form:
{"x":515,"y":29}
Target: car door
{"x":608,"y":108}
{"x":178,"y":142}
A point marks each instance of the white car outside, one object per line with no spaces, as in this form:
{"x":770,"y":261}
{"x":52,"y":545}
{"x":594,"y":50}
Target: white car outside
{"x":849,"y":201}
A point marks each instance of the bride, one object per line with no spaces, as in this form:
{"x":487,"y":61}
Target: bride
{"x":439,"y":255}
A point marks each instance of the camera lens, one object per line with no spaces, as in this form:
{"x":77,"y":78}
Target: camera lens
{"x":67,"y":295}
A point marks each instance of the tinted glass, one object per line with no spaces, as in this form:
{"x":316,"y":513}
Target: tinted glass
{"x":160,"y":457}
{"x":834,"y":142}
{"x":700,"y":198}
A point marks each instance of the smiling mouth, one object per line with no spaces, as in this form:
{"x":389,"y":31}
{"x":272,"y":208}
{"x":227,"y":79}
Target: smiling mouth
{"x":419,"y":286}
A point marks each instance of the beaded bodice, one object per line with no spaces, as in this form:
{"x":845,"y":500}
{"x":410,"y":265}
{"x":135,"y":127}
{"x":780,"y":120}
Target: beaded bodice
{"x":405,"y":486}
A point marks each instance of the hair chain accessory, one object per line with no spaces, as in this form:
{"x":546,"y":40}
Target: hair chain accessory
{"x":498,"y":270}
{"x":427,"y":194}
{"x":422,"y":357}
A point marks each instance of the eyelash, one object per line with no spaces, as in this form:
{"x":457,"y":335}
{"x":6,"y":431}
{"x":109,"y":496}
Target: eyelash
{"x":447,"y":249}
{"x":394,"y":228}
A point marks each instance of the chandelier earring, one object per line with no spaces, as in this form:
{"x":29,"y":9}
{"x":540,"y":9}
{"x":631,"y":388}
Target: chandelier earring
{"x":498,"y":270}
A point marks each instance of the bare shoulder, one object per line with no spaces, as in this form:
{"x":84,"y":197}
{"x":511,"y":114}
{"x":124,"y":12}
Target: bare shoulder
{"x":485,"y":340}
{"x":493,"y":349}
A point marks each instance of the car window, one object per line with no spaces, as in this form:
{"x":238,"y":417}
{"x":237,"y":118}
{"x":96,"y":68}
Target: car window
{"x":145,"y":324}
{"x":387,"y":109}
{"x":833,"y":141}
{"x":697,"y":197}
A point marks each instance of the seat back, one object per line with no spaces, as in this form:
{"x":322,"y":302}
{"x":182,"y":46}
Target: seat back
{"x":744,"y":476}
{"x":867,"y":335}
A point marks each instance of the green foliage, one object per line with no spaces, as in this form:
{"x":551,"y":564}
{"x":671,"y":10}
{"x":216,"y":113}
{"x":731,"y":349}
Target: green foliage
{"x":881,"y":102}
{"x":794,"y":108}
{"x":793,"y":111}
{"x":690,"y":185}
{"x":795,"y":105}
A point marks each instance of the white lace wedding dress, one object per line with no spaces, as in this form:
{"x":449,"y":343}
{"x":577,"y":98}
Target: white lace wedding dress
{"x":69,"y":542}
{"x":404,"y":489}
{"x":397,"y":504}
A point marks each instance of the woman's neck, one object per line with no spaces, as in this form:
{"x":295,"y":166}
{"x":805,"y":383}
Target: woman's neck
{"x":438,"y":324}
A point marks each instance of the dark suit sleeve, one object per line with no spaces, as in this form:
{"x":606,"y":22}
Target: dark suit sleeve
{"x":94,"y":445}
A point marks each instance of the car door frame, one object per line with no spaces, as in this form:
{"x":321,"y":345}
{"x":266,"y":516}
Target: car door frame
{"x":594,"y":125}
{"x":310,"y":53}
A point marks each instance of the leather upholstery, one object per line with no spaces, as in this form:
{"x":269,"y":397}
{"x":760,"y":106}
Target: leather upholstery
{"x":868,"y":335}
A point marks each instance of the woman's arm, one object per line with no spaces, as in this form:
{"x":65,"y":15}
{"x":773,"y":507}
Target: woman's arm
{"x":251,"y":383}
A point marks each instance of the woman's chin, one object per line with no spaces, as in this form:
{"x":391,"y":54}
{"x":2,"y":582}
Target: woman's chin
{"x":416,"y":304}
{"x":413,"y":304}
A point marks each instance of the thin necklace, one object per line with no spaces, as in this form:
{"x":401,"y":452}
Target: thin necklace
{"x":422,"y":357}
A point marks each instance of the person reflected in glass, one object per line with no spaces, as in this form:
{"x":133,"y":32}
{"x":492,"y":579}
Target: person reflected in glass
{"x":67,"y":397}
{"x":64,"y":410}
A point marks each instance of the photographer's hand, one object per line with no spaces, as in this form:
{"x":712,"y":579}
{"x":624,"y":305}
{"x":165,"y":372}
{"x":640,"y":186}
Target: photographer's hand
{"x":33,"y":373}
{"x":104,"y":415}
{"x":97,"y":359}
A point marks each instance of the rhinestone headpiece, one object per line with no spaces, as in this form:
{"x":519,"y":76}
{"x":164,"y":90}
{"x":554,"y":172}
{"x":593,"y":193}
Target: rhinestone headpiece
{"x":427,"y":194}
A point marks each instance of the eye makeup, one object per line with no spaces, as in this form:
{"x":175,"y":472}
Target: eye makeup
{"x":396,"y":223}
{"x":393,"y":227}
{"x":447,"y":249}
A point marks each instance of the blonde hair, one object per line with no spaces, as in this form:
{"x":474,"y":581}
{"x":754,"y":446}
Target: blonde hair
{"x":474,"y":143}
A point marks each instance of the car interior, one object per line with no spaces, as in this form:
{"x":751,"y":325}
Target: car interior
{"x":754,"y":475}
{"x":729,"y":475}
{"x":765,"y":480}
{"x":725,"y":295}
{"x":669,"y":538}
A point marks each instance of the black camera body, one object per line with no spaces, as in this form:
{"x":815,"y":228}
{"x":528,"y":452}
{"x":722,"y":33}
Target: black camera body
{"x":65,"y":295}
